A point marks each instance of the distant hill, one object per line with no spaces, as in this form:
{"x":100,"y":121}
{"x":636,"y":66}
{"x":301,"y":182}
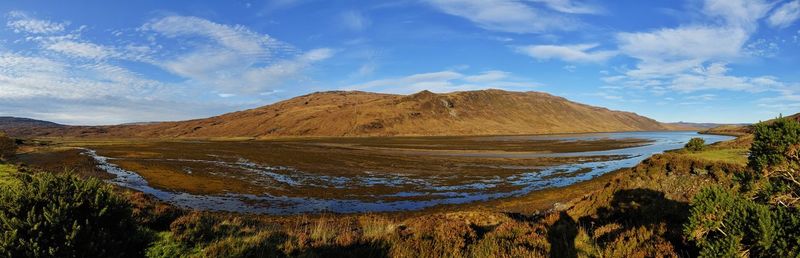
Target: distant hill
{"x":26,"y":126}
{"x":741,"y":129}
{"x":689,"y":126}
{"x":355,"y":113}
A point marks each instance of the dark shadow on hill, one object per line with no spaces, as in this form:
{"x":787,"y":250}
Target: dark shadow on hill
{"x":632,"y":208}
{"x":561,"y":237}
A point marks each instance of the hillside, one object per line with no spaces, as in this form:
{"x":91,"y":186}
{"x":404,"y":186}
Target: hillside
{"x":738,"y":130}
{"x":357,"y":113}
{"x":689,"y":126}
{"x":17,"y":126}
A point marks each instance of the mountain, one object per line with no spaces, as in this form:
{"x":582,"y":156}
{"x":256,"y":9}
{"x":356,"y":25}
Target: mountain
{"x":355,"y":113}
{"x":742,"y":129}
{"x":689,"y":126}
{"x":26,"y":126}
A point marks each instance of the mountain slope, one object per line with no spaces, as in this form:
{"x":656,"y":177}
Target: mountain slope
{"x":372,"y":114}
{"x":738,"y":130}
{"x":26,"y":126}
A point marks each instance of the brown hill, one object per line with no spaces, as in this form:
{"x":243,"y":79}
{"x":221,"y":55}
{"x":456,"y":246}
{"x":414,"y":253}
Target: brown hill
{"x":688,"y":126}
{"x":355,"y":113}
{"x":17,"y":126}
{"x":738,"y":130}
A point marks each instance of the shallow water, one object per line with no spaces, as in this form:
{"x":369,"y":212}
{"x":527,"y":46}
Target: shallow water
{"x":426,"y":191}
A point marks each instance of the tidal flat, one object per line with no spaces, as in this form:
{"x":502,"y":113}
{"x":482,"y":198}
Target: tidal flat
{"x":364,"y":174}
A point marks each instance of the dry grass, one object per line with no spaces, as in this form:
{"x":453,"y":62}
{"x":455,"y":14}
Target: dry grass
{"x":485,"y":112}
{"x":735,"y":156}
{"x":7,"y":174}
{"x":637,"y":212}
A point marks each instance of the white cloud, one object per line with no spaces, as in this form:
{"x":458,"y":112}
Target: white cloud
{"x":685,"y":43}
{"x":505,"y":15}
{"x":785,"y":15}
{"x":22,"y":23}
{"x":694,"y":57}
{"x":231,"y":58}
{"x":237,"y":38}
{"x":569,"y":53}
{"x":355,"y":20}
{"x":24,"y":77}
{"x":80,"y":49}
{"x":570,"y":6}
{"x":737,"y":13}
{"x":79,"y":81}
{"x":446,"y":81}
{"x":257,"y":78}
{"x":703,"y":97}
{"x":488,"y":76}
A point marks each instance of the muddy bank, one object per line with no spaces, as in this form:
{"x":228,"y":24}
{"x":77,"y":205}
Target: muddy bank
{"x":287,"y":177}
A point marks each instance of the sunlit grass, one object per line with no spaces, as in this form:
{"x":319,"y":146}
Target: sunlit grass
{"x":7,"y":174}
{"x":735,"y":156}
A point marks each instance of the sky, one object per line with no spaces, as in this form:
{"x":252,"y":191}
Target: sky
{"x":110,"y":62}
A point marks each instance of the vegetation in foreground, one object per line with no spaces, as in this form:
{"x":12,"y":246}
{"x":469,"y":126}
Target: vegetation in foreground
{"x":711,"y":202}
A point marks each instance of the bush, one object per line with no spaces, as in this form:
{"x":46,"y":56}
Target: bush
{"x":771,"y":140}
{"x":724,"y":223}
{"x":7,"y":146}
{"x":763,"y":220}
{"x":50,"y":215}
{"x":151,"y":213}
{"x":195,"y":229}
{"x":695,"y":144}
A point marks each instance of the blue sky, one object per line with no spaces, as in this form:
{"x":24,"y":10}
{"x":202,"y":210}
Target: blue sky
{"x":108,"y":62}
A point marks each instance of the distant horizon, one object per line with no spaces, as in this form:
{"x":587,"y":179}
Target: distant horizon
{"x":333,"y":91}
{"x":98,"y":62}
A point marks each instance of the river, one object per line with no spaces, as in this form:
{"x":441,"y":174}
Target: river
{"x":427,"y":192}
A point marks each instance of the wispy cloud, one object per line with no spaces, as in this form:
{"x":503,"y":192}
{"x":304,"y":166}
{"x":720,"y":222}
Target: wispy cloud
{"x":71,"y":72}
{"x":227,"y":51}
{"x":446,"y":81}
{"x":571,"y":6}
{"x":694,"y":57}
{"x":785,"y":15}
{"x":506,"y":15}
{"x":570,"y":53}
{"x":354,"y":20}
{"x":80,"y":49}
{"x":20,"y":22}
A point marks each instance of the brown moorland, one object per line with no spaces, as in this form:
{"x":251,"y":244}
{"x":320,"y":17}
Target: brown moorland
{"x":355,"y":113}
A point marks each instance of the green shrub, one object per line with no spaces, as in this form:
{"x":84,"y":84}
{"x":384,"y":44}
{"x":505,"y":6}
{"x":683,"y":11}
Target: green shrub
{"x":263,"y":244}
{"x":723,"y":223}
{"x":763,"y":220}
{"x":50,"y":215}
{"x":165,"y":246}
{"x":152,"y":213}
{"x":195,"y":229}
{"x":8,"y":146}
{"x":771,"y":141}
{"x":695,"y":144}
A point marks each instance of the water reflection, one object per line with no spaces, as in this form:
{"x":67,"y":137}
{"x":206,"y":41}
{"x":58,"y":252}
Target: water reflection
{"x":434,"y":191}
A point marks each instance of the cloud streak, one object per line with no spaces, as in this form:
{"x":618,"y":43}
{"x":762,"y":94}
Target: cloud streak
{"x":446,"y":81}
{"x":66,"y":70}
{"x":582,"y":53}
{"x":785,"y":15}
{"x":506,"y":15}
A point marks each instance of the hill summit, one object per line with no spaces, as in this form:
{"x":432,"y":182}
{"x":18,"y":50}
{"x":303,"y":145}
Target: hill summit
{"x":356,"y":113}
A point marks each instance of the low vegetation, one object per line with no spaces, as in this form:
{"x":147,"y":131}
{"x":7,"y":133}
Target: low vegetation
{"x":695,"y":144}
{"x":758,"y":218}
{"x":8,"y":146}
{"x":735,"y":155}
{"x":726,"y":199}
{"x":48,"y":215}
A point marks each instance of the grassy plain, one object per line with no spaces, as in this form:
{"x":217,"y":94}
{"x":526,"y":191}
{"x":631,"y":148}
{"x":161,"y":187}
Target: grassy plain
{"x":636,"y":212}
{"x":320,"y":167}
